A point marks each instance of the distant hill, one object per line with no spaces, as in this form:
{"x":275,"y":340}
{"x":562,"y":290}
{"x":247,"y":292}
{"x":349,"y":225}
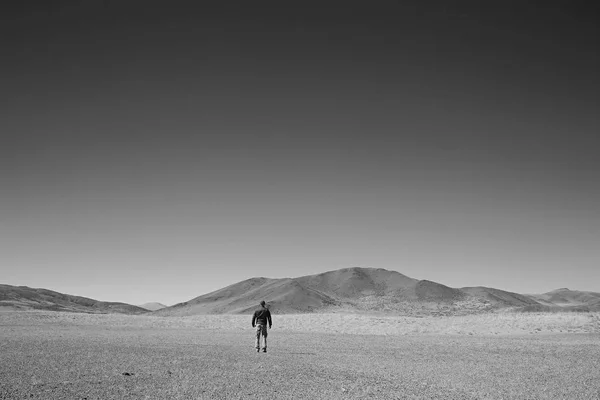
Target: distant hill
{"x":285,"y":295}
{"x":567,"y":299}
{"x":26,"y":298}
{"x":352,"y":290}
{"x":153,"y":306}
{"x":372,"y":290}
{"x":500,"y":298}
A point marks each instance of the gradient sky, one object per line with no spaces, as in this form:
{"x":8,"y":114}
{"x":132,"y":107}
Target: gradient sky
{"x":156,"y":151}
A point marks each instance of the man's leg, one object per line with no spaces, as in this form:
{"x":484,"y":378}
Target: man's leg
{"x":264,"y":332}
{"x":258,"y":332}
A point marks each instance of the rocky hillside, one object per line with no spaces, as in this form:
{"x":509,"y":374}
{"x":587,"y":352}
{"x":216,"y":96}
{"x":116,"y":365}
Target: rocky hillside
{"x":153,"y":306}
{"x":26,"y":298}
{"x":352,"y":290}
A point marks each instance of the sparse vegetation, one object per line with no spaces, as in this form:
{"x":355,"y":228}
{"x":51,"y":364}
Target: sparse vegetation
{"x":53,"y":355}
{"x":348,"y":334}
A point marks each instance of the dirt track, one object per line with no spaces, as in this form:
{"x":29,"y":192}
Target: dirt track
{"x":78,"y":360}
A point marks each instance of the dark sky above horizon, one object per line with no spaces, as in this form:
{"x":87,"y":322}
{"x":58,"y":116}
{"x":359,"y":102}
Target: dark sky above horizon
{"x":155,"y":151}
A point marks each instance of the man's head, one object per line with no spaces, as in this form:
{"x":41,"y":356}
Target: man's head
{"x":262,"y":303}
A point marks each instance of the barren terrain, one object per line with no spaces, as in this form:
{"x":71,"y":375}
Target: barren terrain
{"x":54,"y":355}
{"x":347,"y":290}
{"x":374,"y":290}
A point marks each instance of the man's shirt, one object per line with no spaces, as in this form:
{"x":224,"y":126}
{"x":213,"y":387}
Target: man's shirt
{"x":261,"y":317}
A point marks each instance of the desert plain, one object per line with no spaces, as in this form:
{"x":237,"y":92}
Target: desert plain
{"x":502,"y":355}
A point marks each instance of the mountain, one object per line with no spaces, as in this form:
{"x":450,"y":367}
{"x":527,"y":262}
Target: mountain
{"x":350,"y":290}
{"x":567,"y":299}
{"x":357,"y":282}
{"x":26,"y":298}
{"x":285,"y":295}
{"x":500,"y":298}
{"x":153,"y":306}
{"x":372,"y":290}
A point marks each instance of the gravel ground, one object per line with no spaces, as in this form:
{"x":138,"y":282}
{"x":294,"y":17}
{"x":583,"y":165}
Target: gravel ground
{"x":503,"y":323}
{"x":79,"y":358}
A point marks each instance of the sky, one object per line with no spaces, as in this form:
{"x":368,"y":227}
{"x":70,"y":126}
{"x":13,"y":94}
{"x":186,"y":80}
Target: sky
{"x":157,"y":151}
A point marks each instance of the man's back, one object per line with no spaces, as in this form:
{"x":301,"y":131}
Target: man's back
{"x":262,"y":316}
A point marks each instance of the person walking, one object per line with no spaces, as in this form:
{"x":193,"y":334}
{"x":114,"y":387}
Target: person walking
{"x":261,"y":317}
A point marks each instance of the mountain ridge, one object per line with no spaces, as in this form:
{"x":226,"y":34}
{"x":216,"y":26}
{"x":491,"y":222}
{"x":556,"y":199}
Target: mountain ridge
{"x":364,"y":290}
{"x":152,"y":306}
{"x":27,"y":298}
{"x":355,"y":289}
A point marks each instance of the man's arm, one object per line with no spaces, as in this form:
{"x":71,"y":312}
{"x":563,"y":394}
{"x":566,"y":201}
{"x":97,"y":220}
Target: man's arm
{"x":269,"y":319}
{"x":254,"y":320}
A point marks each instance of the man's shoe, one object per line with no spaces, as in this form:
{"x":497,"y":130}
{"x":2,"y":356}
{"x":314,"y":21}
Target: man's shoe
{"x":264,"y":350}
{"x":257,"y":350}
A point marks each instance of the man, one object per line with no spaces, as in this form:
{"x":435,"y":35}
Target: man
{"x":261,"y":317}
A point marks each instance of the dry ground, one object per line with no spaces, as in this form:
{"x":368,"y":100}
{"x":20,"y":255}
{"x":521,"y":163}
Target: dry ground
{"x":45,"y":355}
